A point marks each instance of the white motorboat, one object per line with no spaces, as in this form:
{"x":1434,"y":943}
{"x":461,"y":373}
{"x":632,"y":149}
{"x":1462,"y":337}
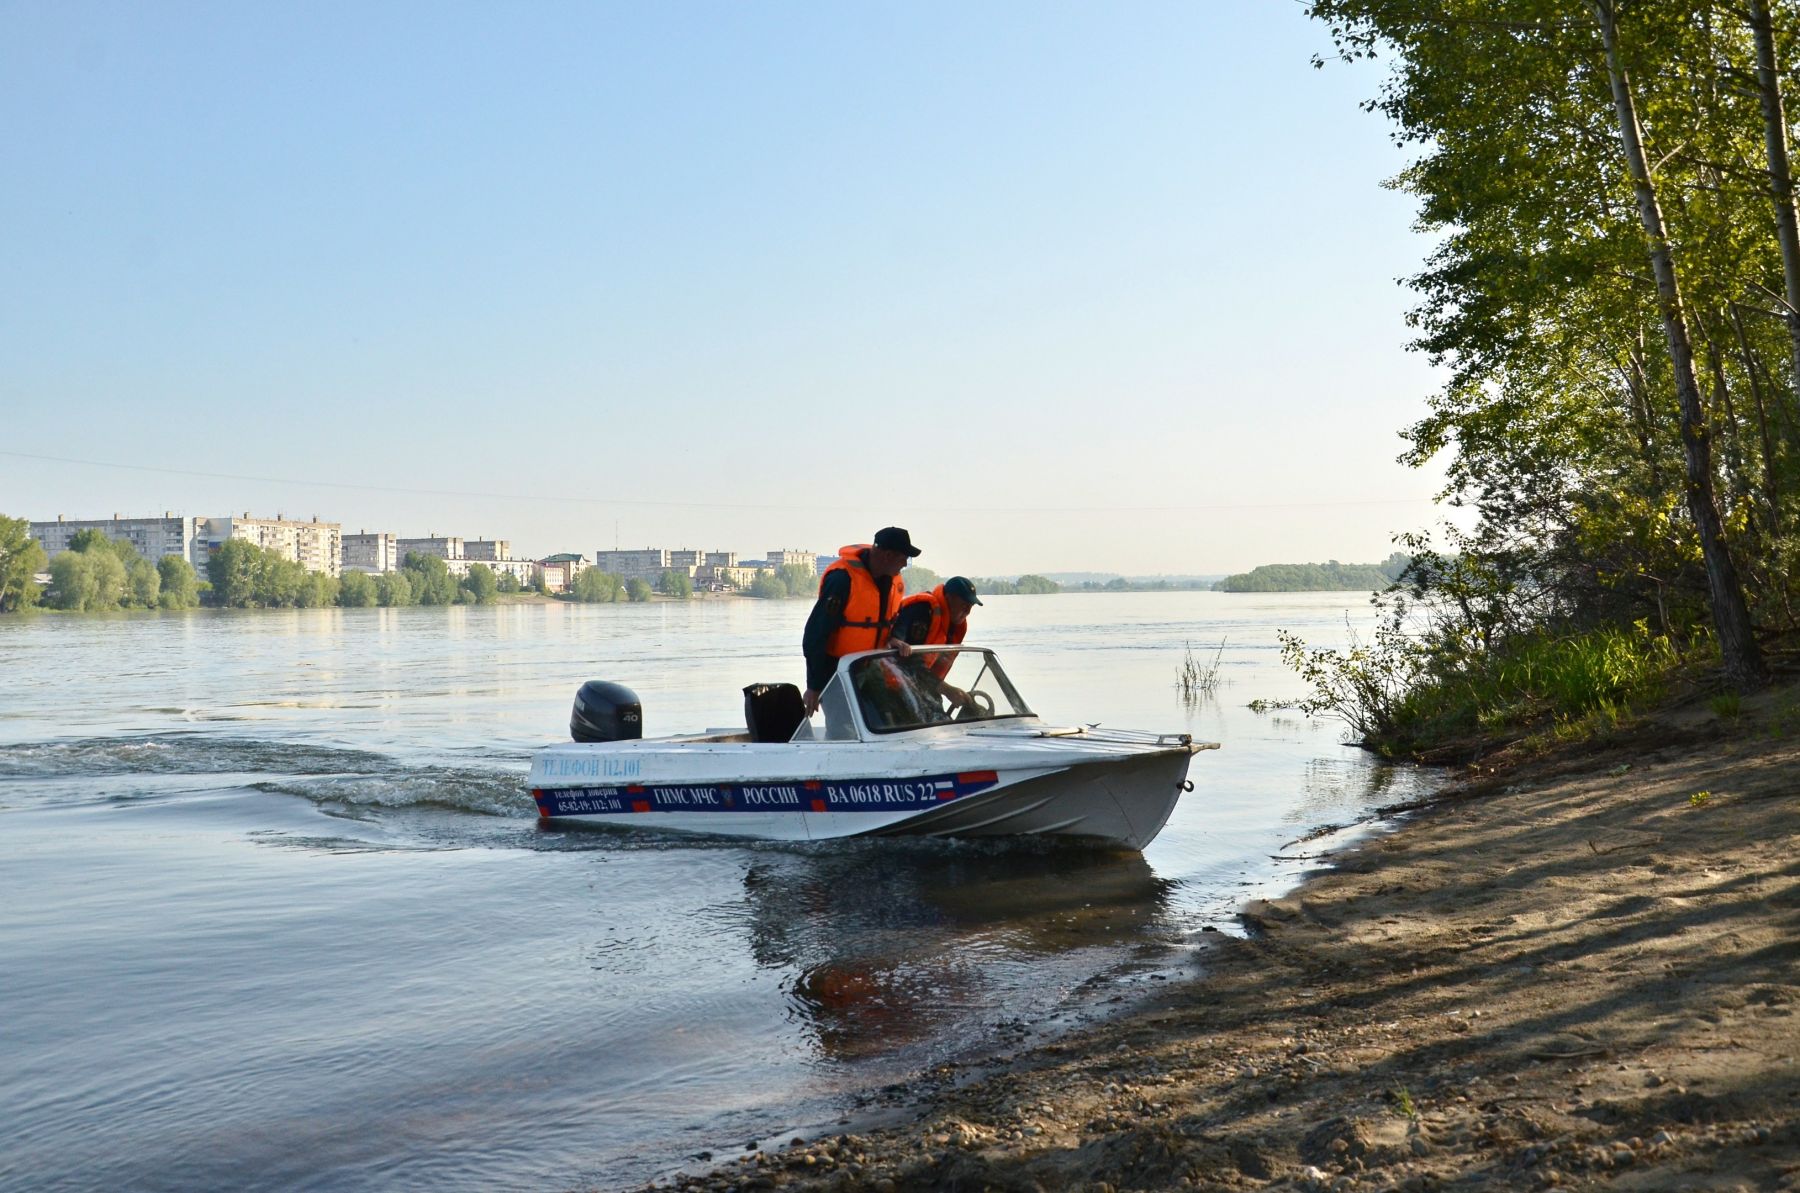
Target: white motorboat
{"x":939,"y":744}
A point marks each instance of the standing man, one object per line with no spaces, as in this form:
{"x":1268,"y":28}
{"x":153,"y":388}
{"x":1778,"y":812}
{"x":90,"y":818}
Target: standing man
{"x":937,"y":618}
{"x":859,"y":597}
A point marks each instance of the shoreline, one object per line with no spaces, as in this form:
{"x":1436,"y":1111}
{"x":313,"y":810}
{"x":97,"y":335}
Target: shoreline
{"x":1579,"y":972}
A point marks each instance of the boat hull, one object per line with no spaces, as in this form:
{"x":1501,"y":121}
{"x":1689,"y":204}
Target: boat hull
{"x":1119,"y":801}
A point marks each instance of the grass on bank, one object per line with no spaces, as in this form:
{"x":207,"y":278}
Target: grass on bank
{"x":1406,"y":699}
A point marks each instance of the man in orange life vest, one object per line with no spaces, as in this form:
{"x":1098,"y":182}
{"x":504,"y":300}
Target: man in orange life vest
{"x":859,"y":597}
{"x":937,"y":618}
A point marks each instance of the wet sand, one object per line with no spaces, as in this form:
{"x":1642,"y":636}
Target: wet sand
{"x":1574,"y":971}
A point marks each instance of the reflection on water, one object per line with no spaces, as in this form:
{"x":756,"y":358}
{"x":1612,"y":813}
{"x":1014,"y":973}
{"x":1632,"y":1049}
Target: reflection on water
{"x":279,"y":903}
{"x":885,"y":942}
{"x":1331,"y":785}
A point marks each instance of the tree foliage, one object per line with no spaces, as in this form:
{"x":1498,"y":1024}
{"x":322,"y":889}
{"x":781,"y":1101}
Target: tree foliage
{"x":394,"y":590}
{"x":1026,"y":585}
{"x":357,"y":590}
{"x":480,"y":584}
{"x":1619,"y":410}
{"x":430,"y":579}
{"x":98,"y":574}
{"x":675,"y":584}
{"x":595,"y":587}
{"x":920,"y":579}
{"x":1330,"y":576}
{"x":21,"y":559}
{"x":179,"y":583}
{"x":769,"y":586}
{"x":247,"y":576}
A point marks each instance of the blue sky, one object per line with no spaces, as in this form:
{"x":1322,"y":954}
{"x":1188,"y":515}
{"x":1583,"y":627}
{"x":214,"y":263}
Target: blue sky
{"x":1057,"y":287}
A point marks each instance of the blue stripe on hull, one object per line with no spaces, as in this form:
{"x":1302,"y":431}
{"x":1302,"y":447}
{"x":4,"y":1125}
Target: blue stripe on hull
{"x":812,"y":795}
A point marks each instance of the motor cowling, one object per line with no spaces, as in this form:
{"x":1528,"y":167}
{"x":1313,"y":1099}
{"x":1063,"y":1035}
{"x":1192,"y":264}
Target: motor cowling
{"x":606,"y":712}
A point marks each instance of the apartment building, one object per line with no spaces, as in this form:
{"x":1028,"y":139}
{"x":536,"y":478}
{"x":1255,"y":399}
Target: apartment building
{"x":317,"y":546}
{"x":371,"y":553}
{"x":444,"y":547}
{"x":558,"y":572}
{"x":739,"y":576}
{"x":805,"y":559}
{"x":523,"y":570}
{"x":153,"y":537}
{"x":645,"y":564}
{"x":487,"y":550}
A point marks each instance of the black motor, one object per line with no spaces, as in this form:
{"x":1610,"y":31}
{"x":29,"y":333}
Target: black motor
{"x":606,"y":712}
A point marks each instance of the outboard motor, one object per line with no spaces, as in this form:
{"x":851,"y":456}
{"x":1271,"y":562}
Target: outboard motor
{"x":606,"y":712}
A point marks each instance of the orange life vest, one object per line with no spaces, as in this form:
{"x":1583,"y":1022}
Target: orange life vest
{"x":869,"y":611}
{"x":943,"y":630}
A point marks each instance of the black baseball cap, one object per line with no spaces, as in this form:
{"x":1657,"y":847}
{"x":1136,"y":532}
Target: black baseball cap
{"x":892,"y":538}
{"x":961,"y":586}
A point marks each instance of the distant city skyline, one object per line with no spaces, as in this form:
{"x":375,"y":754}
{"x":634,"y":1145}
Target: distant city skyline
{"x":1055,"y":287}
{"x":365,"y":529}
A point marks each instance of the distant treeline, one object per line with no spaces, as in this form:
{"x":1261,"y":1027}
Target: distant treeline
{"x":1330,"y":576}
{"x":96,"y":573}
{"x":1121,"y":584}
{"x":242,"y":575}
{"x":789,"y":581}
{"x":1026,"y":585}
{"x":923,"y":579}
{"x":99,"y":574}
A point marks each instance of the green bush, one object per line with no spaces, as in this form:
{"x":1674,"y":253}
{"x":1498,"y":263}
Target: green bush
{"x":1405,"y":693}
{"x":21,"y":559}
{"x":316,"y":591}
{"x":920,"y":579}
{"x":768,"y":586}
{"x":357,"y":590}
{"x":480,"y":585}
{"x":180,"y":586}
{"x":430,"y":578}
{"x":394,"y":590}
{"x":595,"y":587}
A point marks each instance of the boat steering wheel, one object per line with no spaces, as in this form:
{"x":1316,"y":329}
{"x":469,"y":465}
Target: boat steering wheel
{"x":977,"y":707}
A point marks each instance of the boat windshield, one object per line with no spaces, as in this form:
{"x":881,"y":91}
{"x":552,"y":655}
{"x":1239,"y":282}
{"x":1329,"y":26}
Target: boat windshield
{"x":932,"y":688}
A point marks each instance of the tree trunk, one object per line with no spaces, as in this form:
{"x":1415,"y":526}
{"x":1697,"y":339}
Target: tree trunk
{"x":1638,"y":405}
{"x":1781,"y":178}
{"x":1731,"y":617}
{"x":1637,"y":385}
{"x":1771,"y":483}
{"x":1725,"y":422}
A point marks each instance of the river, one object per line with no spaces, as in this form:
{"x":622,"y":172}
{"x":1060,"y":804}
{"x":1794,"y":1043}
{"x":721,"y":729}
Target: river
{"x":278,"y":913}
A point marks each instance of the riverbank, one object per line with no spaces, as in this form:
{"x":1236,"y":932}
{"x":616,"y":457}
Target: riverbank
{"x":1576,"y":973}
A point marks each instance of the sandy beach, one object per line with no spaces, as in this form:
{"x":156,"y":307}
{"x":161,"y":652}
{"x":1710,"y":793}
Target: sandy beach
{"x":1577,"y":970}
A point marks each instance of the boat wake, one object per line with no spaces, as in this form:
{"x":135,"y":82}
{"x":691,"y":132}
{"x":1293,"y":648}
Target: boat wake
{"x":180,"y":754}
{"x":331,"y":776}
{"x":484,"y":792}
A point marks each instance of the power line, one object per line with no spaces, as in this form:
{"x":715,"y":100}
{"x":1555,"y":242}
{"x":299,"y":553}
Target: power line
{"x":563,"y":499}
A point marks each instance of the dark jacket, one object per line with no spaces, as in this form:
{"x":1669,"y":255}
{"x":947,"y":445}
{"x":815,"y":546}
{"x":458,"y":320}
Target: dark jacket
{"x":913,"y":624}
